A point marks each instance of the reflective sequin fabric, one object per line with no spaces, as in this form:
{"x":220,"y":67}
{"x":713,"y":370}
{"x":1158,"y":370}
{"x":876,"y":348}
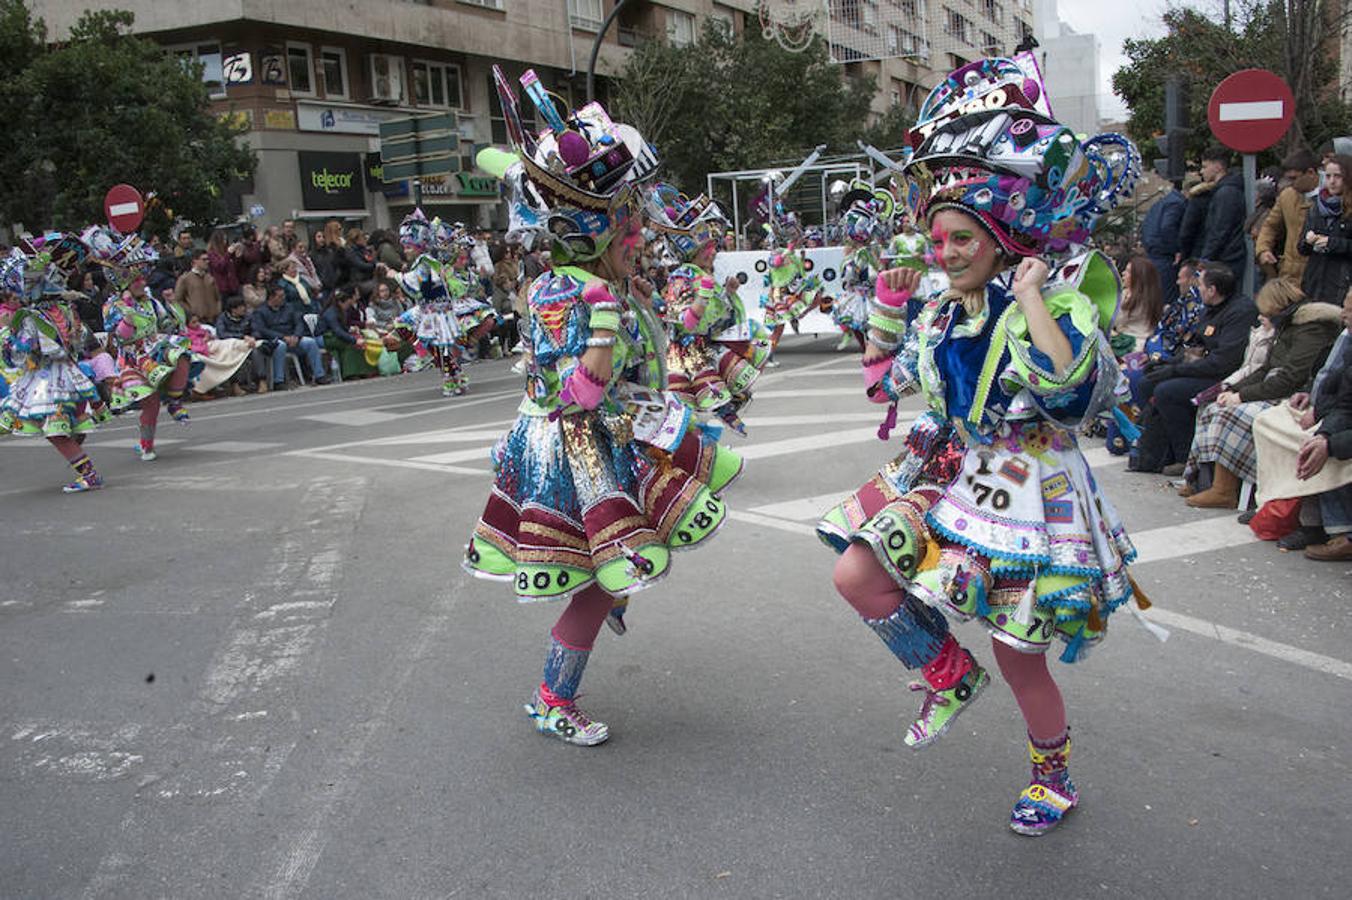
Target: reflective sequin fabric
{"x":576,"y":500}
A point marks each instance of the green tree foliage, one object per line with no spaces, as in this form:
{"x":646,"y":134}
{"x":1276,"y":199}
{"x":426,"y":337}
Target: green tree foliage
{"x":730,"y":103}
{"x":101,"y":108}
{"x":1265,"y":34}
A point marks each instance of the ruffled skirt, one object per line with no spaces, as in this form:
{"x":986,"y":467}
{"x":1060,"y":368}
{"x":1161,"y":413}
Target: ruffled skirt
{"x":707,"y":374}
{"x":1014,"y":533}
{"x":437,"y":326}
{"x":56,"y":400}
{"x":144,"y":365}
{"x":575,"y":502}
{"x":783,"y":306}
{"x":850,"y":311}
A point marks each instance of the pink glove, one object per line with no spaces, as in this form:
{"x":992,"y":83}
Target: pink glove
{"x":888,"y":297}
{"x":124,"y":330}
{"x":873,"y":376}
{"x":689,"y":319}
{"x":597,"y":291}
{"x":582,"y":388}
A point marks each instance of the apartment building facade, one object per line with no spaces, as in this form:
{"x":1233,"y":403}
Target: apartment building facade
{"x":311,"y":82}
{"x":908,"y":46}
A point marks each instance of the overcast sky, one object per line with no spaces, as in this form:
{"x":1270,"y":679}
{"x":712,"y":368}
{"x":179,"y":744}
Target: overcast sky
{"x":1113,"y":23}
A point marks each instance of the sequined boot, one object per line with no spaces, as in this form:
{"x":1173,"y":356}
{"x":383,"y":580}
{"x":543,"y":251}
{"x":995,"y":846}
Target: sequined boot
{"x":1050,"y":794}
{"x":554,"y":708}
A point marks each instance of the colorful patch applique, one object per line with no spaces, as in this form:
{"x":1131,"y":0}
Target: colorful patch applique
{"x":1057,"y":485}
{"x":1015,"y":470}
{"x":1061,"y":512}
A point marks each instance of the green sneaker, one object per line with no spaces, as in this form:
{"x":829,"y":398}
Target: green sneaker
{"x":567,"y":722}
{"x":942,"y":707}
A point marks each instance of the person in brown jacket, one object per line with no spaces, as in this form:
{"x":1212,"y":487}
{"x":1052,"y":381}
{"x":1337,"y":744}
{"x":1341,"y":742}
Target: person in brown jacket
{"x":197,"y":291}
{"x":1275,"y":248}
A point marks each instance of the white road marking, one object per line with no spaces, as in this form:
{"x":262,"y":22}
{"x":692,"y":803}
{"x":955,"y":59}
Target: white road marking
{"x":792,"y":394}
{"x":479,"y":454}
{"x":810,"y":442}
{"x":1173,"y":541}
{"x":822,"y":419}
{"x":236,"y":446}
{"x":354,"y":418}
{"x":1233,"y":636}
{"x":752,"y":518}
{"x":803,"y":509}
{"x":395,"y":463}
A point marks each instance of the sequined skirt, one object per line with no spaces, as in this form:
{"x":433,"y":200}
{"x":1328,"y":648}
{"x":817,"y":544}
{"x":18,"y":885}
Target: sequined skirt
{"x":55,"y":400}
{"x":575,"y":502}
{"x":1014,"y":533}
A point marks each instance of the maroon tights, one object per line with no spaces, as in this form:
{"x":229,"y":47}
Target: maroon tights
{"x":580,"y":622}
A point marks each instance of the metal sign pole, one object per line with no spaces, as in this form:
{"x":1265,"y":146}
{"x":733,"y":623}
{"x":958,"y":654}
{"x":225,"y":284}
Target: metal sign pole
{"x":417,"y":193}
{"x":1250,"y":198}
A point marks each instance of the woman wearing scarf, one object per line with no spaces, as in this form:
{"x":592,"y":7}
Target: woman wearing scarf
{"x":1327,"y":237}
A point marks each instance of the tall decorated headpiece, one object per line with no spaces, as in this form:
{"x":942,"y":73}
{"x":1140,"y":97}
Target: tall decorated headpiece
{"x":866,"y":212}
{"x":584,"y":166}
{"x":688,"y":225}
{"x":450,"y":239}
{"x":49,"y":261}
{"x":415,"y":232}
{"x":526,"y":211}
{"x":985,"y":142}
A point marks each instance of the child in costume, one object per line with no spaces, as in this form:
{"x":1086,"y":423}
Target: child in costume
{"x":154,"y":357}
{"x":715,"y":352}
{"x":991,"y":511}
{"x":599,"y":479}
{"x":435,"y":325}
{"x":864,"y":213}
{"x":791,"y":292}
{"x":51,"y":396}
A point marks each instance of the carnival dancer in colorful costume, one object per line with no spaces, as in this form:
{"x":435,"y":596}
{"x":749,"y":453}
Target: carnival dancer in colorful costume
{"x":715,"y":352}
{"x":600,"y":479}
{"x":990,"y":511}
{"x":864,"y":214}
{"x":52,"y":396}
{"x":475,"y":315}
{"x":791,"y":291}
{"x":433,"y":319}
{"x":154,"y":356}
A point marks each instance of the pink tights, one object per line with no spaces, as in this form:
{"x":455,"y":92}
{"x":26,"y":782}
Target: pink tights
{"x":68,"y":447}
{"x":865,"y":585}
{"x":582,"y":620}
{"x":1034,"y":689}
{"x":868,"y":588}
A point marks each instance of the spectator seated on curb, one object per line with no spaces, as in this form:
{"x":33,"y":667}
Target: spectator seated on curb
{"x":279,"y":325}
{"x":236,"y":324}
{"x":220,"y":359}
{"x":1168,"y":414}
{"x":347,"y":344}
{"x":1305,"y":451}
{"x":1304,"y":330}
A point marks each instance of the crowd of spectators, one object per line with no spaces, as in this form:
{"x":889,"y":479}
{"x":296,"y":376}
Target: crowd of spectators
{"x":1247,"y":399}
{"x":331,"y":300}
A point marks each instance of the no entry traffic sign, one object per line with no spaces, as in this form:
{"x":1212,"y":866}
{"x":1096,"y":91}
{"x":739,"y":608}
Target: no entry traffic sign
{"x":1251,"y":110}
{"x":124,"y":208}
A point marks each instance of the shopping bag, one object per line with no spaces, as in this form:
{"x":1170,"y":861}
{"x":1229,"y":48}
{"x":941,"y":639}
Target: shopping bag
{"x":1276,"y":519}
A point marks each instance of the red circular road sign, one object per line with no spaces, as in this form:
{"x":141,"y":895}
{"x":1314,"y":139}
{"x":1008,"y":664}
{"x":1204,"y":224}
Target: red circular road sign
{"x":1251,"y":110}
{"x":124,"y":208}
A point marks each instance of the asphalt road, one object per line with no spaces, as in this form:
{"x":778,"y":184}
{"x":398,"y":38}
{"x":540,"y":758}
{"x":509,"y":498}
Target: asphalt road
{"x":253,"y":668}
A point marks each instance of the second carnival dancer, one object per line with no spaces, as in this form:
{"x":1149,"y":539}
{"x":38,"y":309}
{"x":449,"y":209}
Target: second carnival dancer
{"x":51,"y":396}
{"x":991,"y":511}
{"x":433,"y":290}
{"x":154,"y":356}
{"x":791,"y":290}
{"x":475,"y":315}
{"x":592,"y":491}
{"x":865,"y":215}
{"x":715,"y":351}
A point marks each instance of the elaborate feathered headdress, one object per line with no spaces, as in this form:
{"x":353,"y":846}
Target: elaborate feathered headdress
{"x":583,"y":166}
{"x":688,"y":225}
{"x":985,"y":142}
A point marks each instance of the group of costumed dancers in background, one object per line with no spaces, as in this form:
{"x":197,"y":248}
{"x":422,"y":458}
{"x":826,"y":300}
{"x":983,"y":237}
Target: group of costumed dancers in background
{"x":60,"y":381}
{"x":989,"y":512}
